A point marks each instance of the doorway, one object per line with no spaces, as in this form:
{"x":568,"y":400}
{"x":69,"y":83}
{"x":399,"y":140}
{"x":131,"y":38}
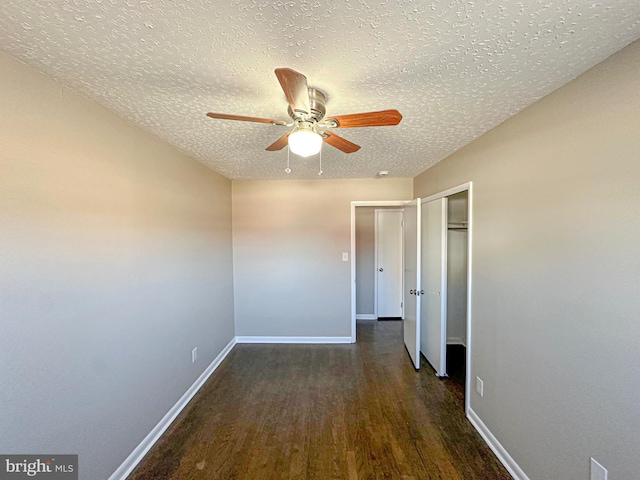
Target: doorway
{"x":363,"y":305}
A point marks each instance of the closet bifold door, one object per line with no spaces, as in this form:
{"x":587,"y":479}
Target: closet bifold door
{"x":411,"y":321}
{"x":433,"y":319}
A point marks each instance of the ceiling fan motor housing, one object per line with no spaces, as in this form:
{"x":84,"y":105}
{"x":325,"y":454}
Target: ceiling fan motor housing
{"x":317,"y":105}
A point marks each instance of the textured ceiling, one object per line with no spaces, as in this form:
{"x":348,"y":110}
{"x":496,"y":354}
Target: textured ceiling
{"x":454,"y":69}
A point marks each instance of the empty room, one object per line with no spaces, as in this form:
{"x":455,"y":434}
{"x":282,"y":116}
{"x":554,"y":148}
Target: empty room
{"x":319,"y":240}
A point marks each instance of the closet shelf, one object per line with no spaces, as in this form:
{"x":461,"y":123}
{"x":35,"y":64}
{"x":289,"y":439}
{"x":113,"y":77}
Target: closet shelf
{"x":457,"y":226}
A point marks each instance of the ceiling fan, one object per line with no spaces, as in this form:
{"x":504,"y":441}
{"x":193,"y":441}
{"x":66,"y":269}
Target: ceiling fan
{"x":310,"y":127}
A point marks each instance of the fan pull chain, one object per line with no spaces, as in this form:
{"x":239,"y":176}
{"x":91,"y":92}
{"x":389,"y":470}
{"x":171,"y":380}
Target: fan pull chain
{"x":287,"y":170}
{"x":320,"y":172}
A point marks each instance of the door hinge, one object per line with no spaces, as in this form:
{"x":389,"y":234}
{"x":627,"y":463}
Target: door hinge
{"x":400,"y":304}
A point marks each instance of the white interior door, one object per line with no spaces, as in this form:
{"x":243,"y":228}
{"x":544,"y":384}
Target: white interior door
{"x":433,"y":320}
{"x":389,"y":266}
{"x":411,"y":322}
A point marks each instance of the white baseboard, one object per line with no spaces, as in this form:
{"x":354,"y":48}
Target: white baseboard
{"x":141,"y":450}
{"x":366,"y":316}
{"x":312,"y":340}
{"x":456,"y":341}
{"x":509,"y":463}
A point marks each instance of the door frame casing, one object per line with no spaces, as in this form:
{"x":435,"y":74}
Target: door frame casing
{"x":375,"y":257}
{"x":354,"y":205}
{"x":468,"y":187}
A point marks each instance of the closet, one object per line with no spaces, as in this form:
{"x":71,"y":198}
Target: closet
{"x":443,"y":272}
{"x":437,"y":282}
{"x":457,"y":271}
{"x":457,"y":218}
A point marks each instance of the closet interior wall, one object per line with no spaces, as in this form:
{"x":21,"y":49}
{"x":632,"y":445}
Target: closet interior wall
{"x":457,"y":213}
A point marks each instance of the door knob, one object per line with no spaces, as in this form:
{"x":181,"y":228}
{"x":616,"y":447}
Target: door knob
{"x":411,"y":292}
{"x":380,"y":269}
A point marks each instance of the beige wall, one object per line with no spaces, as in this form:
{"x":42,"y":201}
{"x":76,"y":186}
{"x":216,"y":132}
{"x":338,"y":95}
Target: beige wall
{"x":288,"y":239}
{"x":556,"y":270}
{"x":115,"y":261}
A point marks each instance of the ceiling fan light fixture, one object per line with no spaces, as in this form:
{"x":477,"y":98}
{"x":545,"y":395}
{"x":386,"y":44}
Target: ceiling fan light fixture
{"x":307,"y":110}
{"x":305,"y":142}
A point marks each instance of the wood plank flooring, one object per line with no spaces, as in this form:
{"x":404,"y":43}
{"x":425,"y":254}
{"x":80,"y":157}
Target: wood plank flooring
{"x":321,"y":412}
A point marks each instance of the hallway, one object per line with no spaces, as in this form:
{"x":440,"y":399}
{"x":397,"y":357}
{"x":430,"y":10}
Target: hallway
{"x":323,"y":412}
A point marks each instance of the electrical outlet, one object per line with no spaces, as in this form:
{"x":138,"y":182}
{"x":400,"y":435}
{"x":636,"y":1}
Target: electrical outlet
{"x":345,"y":256}
{"x":598,"y":472}
{"x":194,"y":355}
{"x":480,"y":386}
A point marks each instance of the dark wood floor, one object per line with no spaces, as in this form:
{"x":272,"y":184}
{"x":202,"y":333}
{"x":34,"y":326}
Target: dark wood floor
{"x":323,"y":412}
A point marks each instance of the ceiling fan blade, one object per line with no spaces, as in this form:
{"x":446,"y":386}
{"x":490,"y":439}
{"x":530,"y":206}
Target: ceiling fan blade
{"x":341,"y":143}
{"x":295,"y":89}
{"x":224,"y":116}
{"x":279,"y":144}
{"x":382,"y":118}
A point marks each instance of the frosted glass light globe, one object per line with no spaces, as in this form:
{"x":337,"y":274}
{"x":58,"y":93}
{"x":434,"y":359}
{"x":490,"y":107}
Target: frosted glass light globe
{"x":305,"y":143}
